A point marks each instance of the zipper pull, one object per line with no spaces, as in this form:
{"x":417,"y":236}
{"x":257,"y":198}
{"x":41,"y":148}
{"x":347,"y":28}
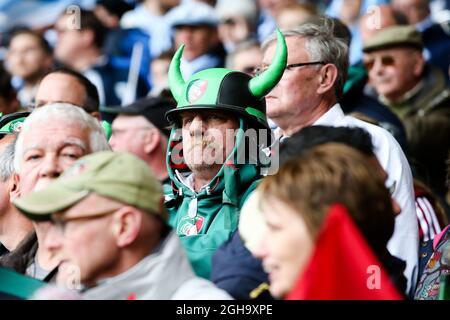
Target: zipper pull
{"x":192,"y":211}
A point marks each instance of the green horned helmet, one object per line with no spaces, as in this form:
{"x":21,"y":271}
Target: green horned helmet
{"x":227,"y":90}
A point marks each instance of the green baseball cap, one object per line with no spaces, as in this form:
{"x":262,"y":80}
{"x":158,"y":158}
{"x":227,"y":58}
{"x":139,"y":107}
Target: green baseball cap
{"x":12,"y":123}
{"x":394,"y":36}
{"x":119,"y":176}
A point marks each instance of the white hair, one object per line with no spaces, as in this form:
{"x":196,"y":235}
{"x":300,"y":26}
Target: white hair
{"x":7,"y":162}
{"x":64,"y":113}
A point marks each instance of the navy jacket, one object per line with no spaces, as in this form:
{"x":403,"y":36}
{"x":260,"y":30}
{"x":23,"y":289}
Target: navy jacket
{"x":236,"y":271}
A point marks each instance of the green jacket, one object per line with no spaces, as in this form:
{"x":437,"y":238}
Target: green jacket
{"x":207,"y":219}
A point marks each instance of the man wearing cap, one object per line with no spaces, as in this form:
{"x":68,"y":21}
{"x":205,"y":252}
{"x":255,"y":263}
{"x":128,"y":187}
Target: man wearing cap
{"x":212,"y":165}
{"x":418,"y":93}
{"x":14,"y":227}
{"x":141,"y":128}
{"x":308,"y":94}
{"x":108,"y":224}
{"x":195,"y":25}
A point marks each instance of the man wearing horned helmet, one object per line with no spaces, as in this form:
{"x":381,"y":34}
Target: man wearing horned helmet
{"x":214,"y":157}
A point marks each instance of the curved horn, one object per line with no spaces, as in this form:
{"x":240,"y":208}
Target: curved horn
{"x":176,"y":81}
{"x":261,"y":85}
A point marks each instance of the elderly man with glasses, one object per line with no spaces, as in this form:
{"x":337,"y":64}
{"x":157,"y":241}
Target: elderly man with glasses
{"x":308,"y":94}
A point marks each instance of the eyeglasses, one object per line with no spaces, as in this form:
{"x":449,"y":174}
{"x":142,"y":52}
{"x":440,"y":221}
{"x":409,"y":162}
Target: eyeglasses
{"x":60,"y":223}
{"x":385,"y":61}
{"x":251,"y":70}
{"x":296,"y":65}
{"x":260,"y":70}
{"x":229,"y":21}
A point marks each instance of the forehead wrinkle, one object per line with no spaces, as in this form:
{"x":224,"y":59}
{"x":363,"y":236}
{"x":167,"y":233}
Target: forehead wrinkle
{"x":71,"y":141}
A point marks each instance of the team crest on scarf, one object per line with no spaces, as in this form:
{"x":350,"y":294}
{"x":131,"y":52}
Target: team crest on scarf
{"x":190,"y":226}
{"x":196,"y":90}
{"x":16,"y":127}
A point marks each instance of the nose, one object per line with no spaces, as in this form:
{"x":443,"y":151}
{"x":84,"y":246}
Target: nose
{"x":197,"y":127}
{"x":53,"y":239}
{"x":50,"y":167}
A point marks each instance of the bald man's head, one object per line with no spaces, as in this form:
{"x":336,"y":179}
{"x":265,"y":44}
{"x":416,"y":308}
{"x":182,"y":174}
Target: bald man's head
{"x":67,"y":86}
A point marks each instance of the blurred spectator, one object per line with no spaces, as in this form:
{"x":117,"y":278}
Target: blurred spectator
{"x":417,"y":11}
{"x":159,"y":70}
{"x":308,"y":94}
{"x":14,"y":227}
{"x":124,"y":47}
{"x":36,"y":14}
{"x":238,"y":20}
{"x":349,"y":11}
{"x":294,"y":15}
{"x":418,"y":94}
{"x":295,"y":204}
{"x":68,"y":86}
{"x":141,"y":128}
{"x":52,"y":138}
{"x":440,"y":11}
{"x":376,"y":20}
{"x":120,"y":246}
{"x":270,"y":11}
{"x":246,"y":57}
{"x":150,"y":16}
{"x":273,"y":7}
{"x":8,"y":96}
{"x":110,"y":12}
{"x":436,"y":39}
{"x":195,"y":25}
{"x":80,"y":49}
{"x":29,"y":58}
{"x":266,"y":23}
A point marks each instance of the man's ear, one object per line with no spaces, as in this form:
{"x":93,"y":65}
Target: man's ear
{"x":96,"y":115}
{"x":419,"y":65}
{"x":126,"y":225}
{"x":152,"y":140}
{"x":13,"y":186}
{"x":327,"y":78}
